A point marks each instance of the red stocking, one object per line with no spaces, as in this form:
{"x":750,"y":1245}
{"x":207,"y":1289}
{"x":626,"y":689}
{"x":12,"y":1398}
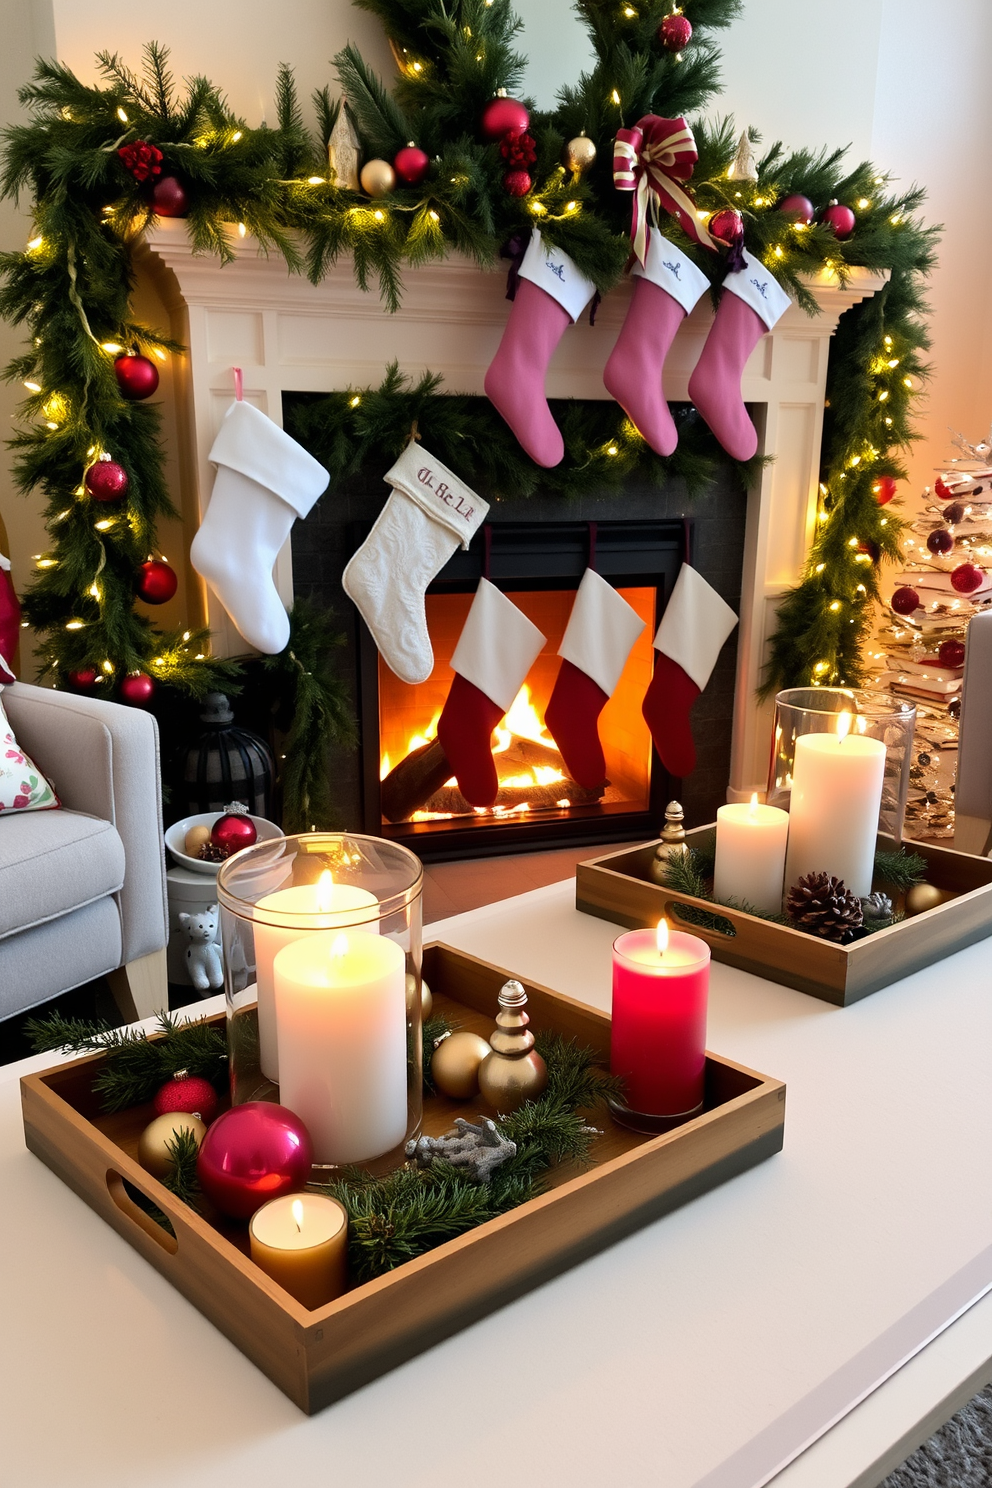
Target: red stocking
{"x":465,"y":731}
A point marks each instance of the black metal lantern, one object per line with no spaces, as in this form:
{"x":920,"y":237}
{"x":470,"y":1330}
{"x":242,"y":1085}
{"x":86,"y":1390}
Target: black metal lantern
{"x":226,"y":764}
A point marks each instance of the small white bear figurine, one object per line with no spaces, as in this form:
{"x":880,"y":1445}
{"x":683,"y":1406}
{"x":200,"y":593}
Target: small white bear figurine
{"x":203,"y":959}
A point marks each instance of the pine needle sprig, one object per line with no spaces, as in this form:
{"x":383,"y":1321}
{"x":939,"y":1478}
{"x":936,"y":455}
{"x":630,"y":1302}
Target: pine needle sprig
{"x":900,"y":869}
{"x":181,"y":1179}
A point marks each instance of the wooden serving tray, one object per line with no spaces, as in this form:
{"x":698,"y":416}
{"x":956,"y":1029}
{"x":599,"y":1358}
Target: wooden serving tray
{"x":618,"y":887}
{"x":316,"y":1357}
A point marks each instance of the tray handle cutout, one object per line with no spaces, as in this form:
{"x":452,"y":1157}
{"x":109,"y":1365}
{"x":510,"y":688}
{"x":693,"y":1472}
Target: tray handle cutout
{"x":129,"y":1199}
{"x":700,"y":921}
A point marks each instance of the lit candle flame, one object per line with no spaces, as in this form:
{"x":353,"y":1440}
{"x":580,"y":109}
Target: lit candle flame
{"x":754,"y":803}
{"x":662,"y":937}
{"x":325,"y":891}
{"x":339,"y":945}
{"x":297,"y":1210}
{"x":843,"y":725}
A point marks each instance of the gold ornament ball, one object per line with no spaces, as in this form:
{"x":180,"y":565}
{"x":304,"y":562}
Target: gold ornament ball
{"x":153,"y":1144}
{"x":455,"y":1065}
{"x":378,"y":177}
{"x":426,"y":1000}
{"x":922,"y":897}
{"x":579,"y":154}
{"x":195,"y":838}
{"x":507,"y":1081}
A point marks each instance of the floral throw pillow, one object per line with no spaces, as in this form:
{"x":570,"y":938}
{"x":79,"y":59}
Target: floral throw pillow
{"x":22,"y":785}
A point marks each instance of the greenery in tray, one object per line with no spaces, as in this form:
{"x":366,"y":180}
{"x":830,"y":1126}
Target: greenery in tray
{"x":136,"y":1064}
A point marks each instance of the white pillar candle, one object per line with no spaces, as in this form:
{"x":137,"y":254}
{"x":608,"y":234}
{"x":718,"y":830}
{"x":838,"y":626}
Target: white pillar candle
{"x":323,"y":905}
{"x":833,"y":815}
{"x":341,"y":1011}
{"x":750,"y":855}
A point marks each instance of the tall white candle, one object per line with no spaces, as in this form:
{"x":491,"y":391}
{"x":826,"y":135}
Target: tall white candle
{"x":341,"y":1010}
{"x":833,"y":815}
{"x":317,"y":906}
{"x":750,"y":855}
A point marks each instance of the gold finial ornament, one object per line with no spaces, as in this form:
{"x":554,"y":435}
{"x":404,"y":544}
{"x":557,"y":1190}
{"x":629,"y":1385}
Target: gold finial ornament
{"x":343,"y":151}
{"x":513,"y":1072}
{"x":743,"y":167}
{"x":672,"y":840}
{"x":579,"y":154}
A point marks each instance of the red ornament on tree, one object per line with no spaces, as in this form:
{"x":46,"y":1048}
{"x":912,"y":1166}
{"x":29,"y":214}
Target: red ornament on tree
{"x":674,"y":32}
{"x":905,"y":600}
{"x":940,"y":490}
{"x":136,"y":690}
{"x":517,"y":182}
{"x":883,"y":489}
{"x":82,"y":679}
{"x":106,"y":480}
{"x":253,"y":1153}
{"x":169,"y":197}
{"x":233,"y":831}
{"x":840,"y":219}
{"x":951,"y":653}
{"x":141,"y":160}
{"x":503,"y":116}
{"x":411,"y":164}
{"x":157,"y":582}
{"x":137,"y":377}
{"x":191,"y":1093}
{"x":518,"y":150}
{"x":801,"y":206}
{"x":727,"y":226}
{"x":967,"y":577}
{"x":940,"y":540}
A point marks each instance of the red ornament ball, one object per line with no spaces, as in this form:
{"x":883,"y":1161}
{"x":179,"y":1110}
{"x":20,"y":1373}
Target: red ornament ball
{"x":674,"y":33}
{"x":106,"y":480}
{"x":940,"y":540}
{"x":157,"y":582}
{"x":503,"y":116}
{"x":233,"y":831}
{"x":190,"y":1093}
{"x":411,"y":164}
{"x":967,"y":577}
{"x":253,"y":1153}
{"x":83,"y":679}
{"x":800,"y":205}
{"x":840,"y":219}
{"x":727,"y":226}
{"x":137,"y":377}
{"x":883,"y":489}
{"x":940,"y":490}
{"x":136,"y":690}
{"x":517,"y":182}
{"x":951,"y":653}
{"x":169,"y":197}
{"x":905,"y":600}
{"x":954,"y":514}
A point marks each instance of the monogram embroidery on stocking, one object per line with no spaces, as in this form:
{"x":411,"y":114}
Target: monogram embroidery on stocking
{"x":557,"y":269}
{"x":761,"y":285}
{"x":673,"y":268}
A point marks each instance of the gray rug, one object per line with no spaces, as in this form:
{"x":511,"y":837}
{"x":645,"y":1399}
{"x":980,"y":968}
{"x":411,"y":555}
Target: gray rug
{"x":959,"y":1455}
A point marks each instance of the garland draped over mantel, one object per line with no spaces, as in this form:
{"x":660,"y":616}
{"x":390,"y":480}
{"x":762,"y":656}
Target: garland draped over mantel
{"x":70,"y":289}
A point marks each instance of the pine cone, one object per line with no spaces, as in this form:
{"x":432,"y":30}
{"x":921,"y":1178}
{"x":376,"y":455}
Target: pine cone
{"x":211,"y":853}
{"x":877,"y":908}
{"x":822,"y":906}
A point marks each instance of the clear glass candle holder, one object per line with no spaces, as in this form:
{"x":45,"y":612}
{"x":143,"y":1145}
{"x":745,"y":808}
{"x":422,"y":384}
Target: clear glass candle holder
{"x":814,"y":710}
{"x":323,"y":952}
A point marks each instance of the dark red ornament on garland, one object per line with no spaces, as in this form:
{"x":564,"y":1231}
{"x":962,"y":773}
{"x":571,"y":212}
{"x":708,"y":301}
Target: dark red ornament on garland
{"x":253,"y":1153}
{"x":840,"y":219}
{"x":169,"y":197}
{"x":137,"y":377}
{"x":517,"y":182}
{"x":872,"y":549}
{"x":800,"y":206}
{"x":940,"y":540}
{"x":82,"y":679}
{"x":883,"y":489}
{"x":954,"y":514}
{"x":940,"y":490}
{"x":233,"y":831}
{"x":518,"y":150}
{"x":141,"y":160}
{"x":967,"y":577}
{"x":951,"y":653}
{"x":136,"y":690}
{"x":727,"y":226}
{"x":157,"y":582}
{"x":411,"y":164}
{"x":190,"y":1093}
{"x":106,"y":480}
{"x":503,"y":116}
{"x":905,"y":600}
{"x":674,"y":32}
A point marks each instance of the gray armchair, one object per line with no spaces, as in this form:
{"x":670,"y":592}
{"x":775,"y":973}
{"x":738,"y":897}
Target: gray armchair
{"x":82,"y":890}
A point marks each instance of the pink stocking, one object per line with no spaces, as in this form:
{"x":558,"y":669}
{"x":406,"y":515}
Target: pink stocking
{"x":633,"y":372}
{"x":515,"y":380}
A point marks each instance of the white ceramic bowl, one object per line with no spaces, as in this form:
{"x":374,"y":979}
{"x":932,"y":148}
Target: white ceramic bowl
{"x":175,"y":837}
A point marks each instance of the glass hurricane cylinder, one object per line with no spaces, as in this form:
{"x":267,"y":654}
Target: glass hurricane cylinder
{"x":814,"y":710}
{"x":322,"y":973}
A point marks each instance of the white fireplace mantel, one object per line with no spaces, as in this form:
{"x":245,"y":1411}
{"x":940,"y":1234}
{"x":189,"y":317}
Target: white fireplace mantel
{"x":288,"y":335}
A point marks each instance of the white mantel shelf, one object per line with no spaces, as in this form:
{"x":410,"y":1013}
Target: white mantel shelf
{"x":288,"y":335}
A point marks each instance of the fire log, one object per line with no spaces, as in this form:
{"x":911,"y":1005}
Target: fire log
{"x":450,"y":801}
{"x":413,"y":781}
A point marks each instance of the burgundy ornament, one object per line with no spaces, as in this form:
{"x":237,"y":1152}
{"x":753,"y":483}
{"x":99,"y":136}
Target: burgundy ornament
{"x":905,"y":600}
{"x":253,"y":1153}
{"x":105,"y":480}
{"x":169,"y":197}
{"x":883,"y":488}
{"x":940,"y":540}
{"x":233,"y":832}
{"x":136,"y":690}
{"x":503,"y":116}
{"x":954,"y":514}
{"x":137,"y":377}
{"x":872,"y":549}
{"x":518,"y":150}
{"x":967,"y":577}
{"x":840,"y":219}
{"x":83,"y":679}
{"x":411,"y":164}
{"x":141,"y":160}
{"x":801,"y":206}
{"x":157,"y":582}
{"x":674,"y":33}
{"x":940,"y":490}
{"x":517,"y":182}
{"x":727,"y":226}
{"x":951,"y":653}
{"x":189,"y":1093}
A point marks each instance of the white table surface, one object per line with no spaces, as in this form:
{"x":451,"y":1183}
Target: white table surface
{"x":705,"y":1350}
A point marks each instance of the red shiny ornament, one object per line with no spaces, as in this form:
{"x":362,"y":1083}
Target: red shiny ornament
{"x":800,"y":205}
{"x":951,"y":653}
{"x":106,"y":481}
{"x":517,"y":182}
{"x":940,"y":490}
{"x":83,"y":679}
{"x":674,"y":33}
{"x":954,"y":514}
{"x":967,"y":577}
{"x":169,"y":198}
{"x":503,"y":116}
{"x":233,"y":832}
{"x":137,"y":377}
{"x":841,"y":220}
{"x":136,"y":690}
{"x":411,"y":164}
{"x":883,"y":489}
{"x":253,"y":1153}
{"x":190,"y":1093}
{"x":727,"y":226}
{"x":940,"y":540}
{"x":157,"y":582}
{"x":905,"y":600}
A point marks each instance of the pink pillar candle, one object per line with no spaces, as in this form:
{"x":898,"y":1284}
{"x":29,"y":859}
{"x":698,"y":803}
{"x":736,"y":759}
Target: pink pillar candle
{"x":658,"y":1040}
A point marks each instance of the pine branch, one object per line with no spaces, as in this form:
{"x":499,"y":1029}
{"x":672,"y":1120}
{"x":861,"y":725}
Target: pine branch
{"x":181,"y":1180}
{"x":900,"y":869}
{"x":135,"y":1066}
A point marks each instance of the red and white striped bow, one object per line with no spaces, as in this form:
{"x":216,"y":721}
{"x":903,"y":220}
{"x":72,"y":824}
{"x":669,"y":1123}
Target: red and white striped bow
{"x":651,"y":160}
